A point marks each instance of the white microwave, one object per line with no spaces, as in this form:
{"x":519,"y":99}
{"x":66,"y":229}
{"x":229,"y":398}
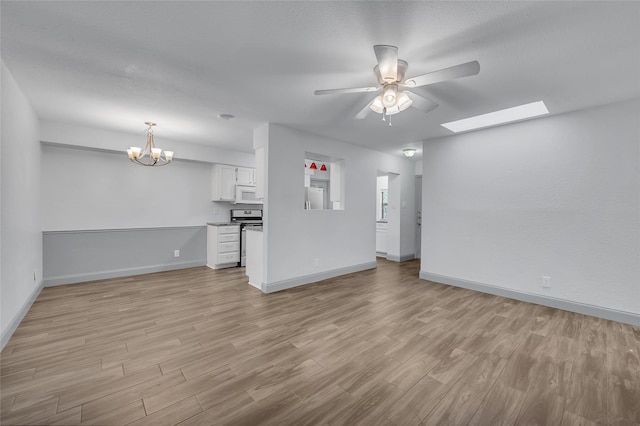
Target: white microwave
{"x":246,"y":194}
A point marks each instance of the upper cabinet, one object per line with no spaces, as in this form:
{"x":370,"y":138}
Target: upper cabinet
{"x":234,"y":184}
{"x":223,"y":184}
{"x":245,"y":176}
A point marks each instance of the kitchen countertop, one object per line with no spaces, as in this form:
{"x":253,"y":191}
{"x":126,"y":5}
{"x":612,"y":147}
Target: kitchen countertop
{"x":220,"y":223}
{"x":254,"y":228}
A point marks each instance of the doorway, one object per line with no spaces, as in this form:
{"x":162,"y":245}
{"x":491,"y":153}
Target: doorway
{"x":418,"y":217}
{"x":382,"y":213}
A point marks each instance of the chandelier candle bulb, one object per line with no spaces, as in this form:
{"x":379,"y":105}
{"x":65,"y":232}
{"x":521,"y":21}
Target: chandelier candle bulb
{"x":135,"y":152}
{"x":168,"y":155}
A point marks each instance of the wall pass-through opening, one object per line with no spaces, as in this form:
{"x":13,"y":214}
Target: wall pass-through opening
{"x":323,"y":182}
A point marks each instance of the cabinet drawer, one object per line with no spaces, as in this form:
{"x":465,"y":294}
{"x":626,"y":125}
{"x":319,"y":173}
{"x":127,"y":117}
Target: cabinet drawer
{"x":225,"y":238}
{"x":228,"y":258}
{"x":231,"y":229}
{"x":227,"y":247}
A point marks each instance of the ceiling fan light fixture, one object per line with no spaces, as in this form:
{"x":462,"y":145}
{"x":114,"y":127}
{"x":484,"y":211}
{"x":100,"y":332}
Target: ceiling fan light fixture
{"x":390,"y":95}
{"x":390,"y":73}
{"x":404,"y":101}
{"x":376,"y":105}
{"x":393,"y":110}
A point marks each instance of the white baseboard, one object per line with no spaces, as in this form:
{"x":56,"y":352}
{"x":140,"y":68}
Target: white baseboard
{"x":312,"y":278}
{"x":567,"y":305}
{"x":401,"y":258}
{"x":6,"y":334}
{"x":102,"y":275}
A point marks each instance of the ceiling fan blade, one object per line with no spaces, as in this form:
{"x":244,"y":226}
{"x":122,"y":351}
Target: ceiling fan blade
{"x":364,"y":111}
{"x":457,"y":71}
{"x":353,"y":90}
{"x":423,"y":104}
{"x":387,"y":57}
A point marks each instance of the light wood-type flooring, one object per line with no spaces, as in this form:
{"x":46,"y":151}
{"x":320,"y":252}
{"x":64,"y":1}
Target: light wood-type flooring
{"x":379,"y":347}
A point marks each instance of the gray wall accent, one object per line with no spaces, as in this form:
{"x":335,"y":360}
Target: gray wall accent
{"x":80,"y":256}
{"x":8,"y":331}
{"x":312,"y":278}
{"x":567,"y":305}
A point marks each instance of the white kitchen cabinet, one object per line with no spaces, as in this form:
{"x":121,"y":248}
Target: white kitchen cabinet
{"x":381,"y":237}
{"x":245,"y":176}
{"x":223,"y":246}
{"x":223,"y":184}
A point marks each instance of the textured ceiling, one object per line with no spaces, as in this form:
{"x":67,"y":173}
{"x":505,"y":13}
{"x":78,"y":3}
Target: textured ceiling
{"x":114,"y":65}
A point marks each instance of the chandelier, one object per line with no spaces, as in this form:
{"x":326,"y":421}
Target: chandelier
{"x":391,"y":101}
{"x":151,"y":156}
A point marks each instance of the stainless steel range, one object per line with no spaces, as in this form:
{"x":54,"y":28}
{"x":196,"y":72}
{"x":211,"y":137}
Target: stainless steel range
{"x":245,"y":218}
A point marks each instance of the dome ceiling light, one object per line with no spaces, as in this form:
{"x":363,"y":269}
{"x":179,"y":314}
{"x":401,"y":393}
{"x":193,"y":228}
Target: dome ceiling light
{"x":409,"y":152}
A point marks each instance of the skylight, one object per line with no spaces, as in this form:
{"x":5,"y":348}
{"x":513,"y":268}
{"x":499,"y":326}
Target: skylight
{"x":522,"y":112}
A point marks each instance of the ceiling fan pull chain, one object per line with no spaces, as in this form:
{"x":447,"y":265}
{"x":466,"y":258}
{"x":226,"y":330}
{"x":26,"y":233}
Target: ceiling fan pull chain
{"x":384,"y":111}
{"x":389,"y":121}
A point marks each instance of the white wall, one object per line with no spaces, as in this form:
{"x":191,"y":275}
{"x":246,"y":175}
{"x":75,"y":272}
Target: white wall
{"x":87,"y":189}
{"x":556,"y":196}
{"x":91,"y":195}
{"x":418,"y":167}
{"x":99,"y":188}
{"x":20,"y":236}
{"x":99,"y":139}
{"x":408,"y":212}
{"x":308,"y":243}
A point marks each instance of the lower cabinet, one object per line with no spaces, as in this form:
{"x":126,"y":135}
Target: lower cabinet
{"x":223,"y":246}
{"x":381,"y":237}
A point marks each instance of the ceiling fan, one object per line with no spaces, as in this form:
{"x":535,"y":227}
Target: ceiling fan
{"x":390,"y":73}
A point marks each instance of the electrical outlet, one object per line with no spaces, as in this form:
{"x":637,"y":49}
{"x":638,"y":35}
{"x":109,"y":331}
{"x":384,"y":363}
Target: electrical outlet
{"x":546,"y":282}
{"x":176,"y":253}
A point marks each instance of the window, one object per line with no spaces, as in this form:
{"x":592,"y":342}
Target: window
{"x":384,"y":207}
